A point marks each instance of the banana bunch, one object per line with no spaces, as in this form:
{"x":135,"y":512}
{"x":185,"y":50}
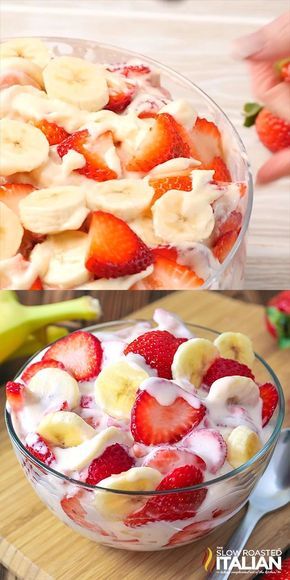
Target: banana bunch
{"x":21,"y":324}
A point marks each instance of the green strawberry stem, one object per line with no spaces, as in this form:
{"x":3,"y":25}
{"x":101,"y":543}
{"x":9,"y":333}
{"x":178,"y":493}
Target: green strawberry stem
{"x":84,"y":308}
{"x":281,"y":322}
{"x":34,"y":343}
{"x":251,"y":111}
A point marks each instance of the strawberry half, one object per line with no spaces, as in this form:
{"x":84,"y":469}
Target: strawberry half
{"x":272,"y":131}
{"x":269,"y":396}
{"x":73,"y":508}
{"x":153,"y":424}
{"x":39,"y":448}
{"x":81,"y":354}
{"x":221,"y":171}
{"x":233,"y":223}
{"x":163,"y":184}
{"x":119,"y":101}
{"x":114,"y":250}
{"x":175,"y":506}
{"x":224,"y":367}
{"x":53,"y":132}
{"x":169,"y":275}
{"x":158,"y":348}
{"x":278,"y":318}
{"x":32,"y":369}
{"x":223,"y":245}
{"x":211,"y":445}
{"x":166,"y":459}
{"x":115,"y":459}
{"x":206,"y":142}
{"x":165,"y":141}
{"x":15,"y":395}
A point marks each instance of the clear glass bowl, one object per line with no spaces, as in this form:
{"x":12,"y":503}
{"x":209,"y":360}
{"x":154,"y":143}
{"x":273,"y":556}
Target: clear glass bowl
{"x":73,"y":501}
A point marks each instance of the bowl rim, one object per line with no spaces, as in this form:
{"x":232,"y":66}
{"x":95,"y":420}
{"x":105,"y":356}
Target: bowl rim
{"x":217,"y":274}
{"x":227,"y":476}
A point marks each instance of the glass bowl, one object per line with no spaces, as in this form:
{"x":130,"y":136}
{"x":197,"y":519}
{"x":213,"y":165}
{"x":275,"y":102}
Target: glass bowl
{"x":73,"y":502}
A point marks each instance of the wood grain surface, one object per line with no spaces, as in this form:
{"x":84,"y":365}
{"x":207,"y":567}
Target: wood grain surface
{"x":37,"y":546}
{"x":194,"y":37}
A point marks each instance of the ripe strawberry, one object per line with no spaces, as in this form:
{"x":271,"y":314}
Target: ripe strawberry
{"x":206,"y":142}
{"x":52,"y":131}
{"x":165,"y":459}
{"x":32,"y":369}
{"x":114,"y":250}
{"x":115,"y":459}
{"x":153,"y":424}
{"x":39,"y":448}
{"x":118,"y":102}
{"x":81,"y":354}
{"x":221,"y":172}
{"x":175,"y":506}
{"x":163,"y":184}
{"x":166,"y":252}
{"x":211,"y":445}
{"x":37,"y":284}
{"x":272,"y":131}
{"x":164,"y":142}
{"x":15,"y":395}
{"x":158,"y":348}
{"x":94,"y":153}
{"x":169,"y":275}
{"x":191,"y":532}
{"x":233,"y":223}
{"x":148,"y":114}
{"x":12,"y":193}
{"x":269,"y":396}
{"x":224,"y":244}
{"x":129,"y":70}
{"x":278,"y":318}
{"x":224,"y":367}
{"x":73,"y":508}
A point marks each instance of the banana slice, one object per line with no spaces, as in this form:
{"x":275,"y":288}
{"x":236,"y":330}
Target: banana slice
{"x":116,"y":387}
{"x":54,"y":209}
{"x":236,"y":346}
{"x":125,"y":198}
{"x":243,"y":444}
{"x":76,"y":81}
{"x":234,"y":390}
{"x":192,"y":359}
{"x":55,"y":385}
{"x":65,"y":429}
{"x":23,"y":147}
{"x":182,"y":217}
{"x":11,"y":232}
{"x":66,"y":262}
{"x":72,"y":459}
{"x":24,"y":67}
{"x":117,"y":506}
{"x":31,"y":49}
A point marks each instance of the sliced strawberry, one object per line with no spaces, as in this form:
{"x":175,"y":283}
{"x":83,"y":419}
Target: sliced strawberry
{"x":169,"y":275}
{"x":158,"y":348}
{"x":37,"y":284}
{"x":233,"y":223}
{"x":191,"y":532}
{"x":73,"y":508}
{"x":166,"y":459}
{"x":94,"y":152}
{"x":206,"y":141}
{"x":221,"y":172}
{"x":130,"y":70}
{"x":210,"y":445}
{"x":269,"y":396}
{"x":114,"y":250}
{"x":223,"y":245}
{"x":163,"y":184}
{"x":12,"y":193}
{"x":175,"y":506}
{"x":15,"y":395}
{"x":115,"y":459}
{"x":148,"y":114}
{"x":225,"y":367}
{"x":118,"y":102}
{"x":32,"y":369}
{"x":164,"y":142}
{"x":153,"y":424}
{"x":165,"y":252}
{"x":53,"y":132}
{"x":39,"y":448}
{"x":80,"y":352}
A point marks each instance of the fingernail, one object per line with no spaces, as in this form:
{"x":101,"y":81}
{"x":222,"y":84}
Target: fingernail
{"x":247,"y":45}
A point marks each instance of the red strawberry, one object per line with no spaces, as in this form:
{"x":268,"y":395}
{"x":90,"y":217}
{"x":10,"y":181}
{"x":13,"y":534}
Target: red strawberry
{"x":148,"y":114}
{"x":15,"y":395}
{"x":169,"y":275}
{"x":115,"y":459}
{"x":81,"y":354}
{"x":221,"y":172}
{"x":210,"y":445}
{"x":165,"y":252}
{"x":153,"y":424}
{"x":272,"y":131}
{"x":233,"y":223}
{"x":158,"y":348}
{"x":73,"y":508}
{"x":175,"y":506}
{"x":224,"y":244}
{"x":94,"y":152}
{"x":32,"y":369}
{"x":163,"y":184}
{"x":225,"y":367}
{"x":114,"y":249}
{"x":37,"y":284}
{"x":269,"y":396}
{"x":39,"y":448}
{"x":52,"y":131}
{"x":12,"y":193}
{"x":118,"y":102}
{"x":278,"y":318}
{"x":165,"y":459}
{"x":191,"y":532}
{"x":129,"y":70}
{"x":164,"y":142}
{"x":206,"y":141}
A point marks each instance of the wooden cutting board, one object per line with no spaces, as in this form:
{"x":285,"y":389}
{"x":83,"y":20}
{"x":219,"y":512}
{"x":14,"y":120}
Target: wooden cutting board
{"x":37,"y":546}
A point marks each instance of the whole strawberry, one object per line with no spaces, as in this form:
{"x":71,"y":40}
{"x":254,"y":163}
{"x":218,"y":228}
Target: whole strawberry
{"x":278,"y":318}
{"x":272,"y":131}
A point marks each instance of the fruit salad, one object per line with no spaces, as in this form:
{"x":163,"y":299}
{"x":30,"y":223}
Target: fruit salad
{"x":106,"y":181}
{"x":147,"y":410}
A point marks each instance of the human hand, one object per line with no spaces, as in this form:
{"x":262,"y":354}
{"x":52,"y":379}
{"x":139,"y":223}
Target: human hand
{"x":261,"y":50}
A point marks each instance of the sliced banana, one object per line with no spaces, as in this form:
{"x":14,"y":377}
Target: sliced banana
{"x":125,"y":198}
{"x":233,"y":390}
{"x":24,"y":67}
{"x":54,"y":209}
{"x":243,"y":444}
{"x":236,"y":346}
{"x":54,"y":385}
{"x":116,"y":387}
{"x":72,"y":459}
{"x":76,"y":81}
{"x":65,"y":429}
{"x":23,"y":147}
{"x":11,"y":232}
{"x":66,"y":259}
{"x":192,"y":359}
{"x":31,"y":49}
{"x":117,"y":506}
{"x":182,"y":217}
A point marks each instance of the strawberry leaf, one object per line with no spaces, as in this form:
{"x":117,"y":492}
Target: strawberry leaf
{"x":251,"y":111}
